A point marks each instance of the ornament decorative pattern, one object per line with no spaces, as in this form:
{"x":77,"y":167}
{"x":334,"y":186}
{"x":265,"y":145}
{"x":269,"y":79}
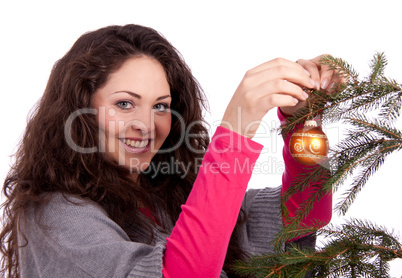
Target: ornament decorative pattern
{"x":299,"y":146}
{"x":309,"y":145}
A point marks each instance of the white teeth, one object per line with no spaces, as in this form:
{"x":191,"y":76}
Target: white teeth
{"x":135,"y":144}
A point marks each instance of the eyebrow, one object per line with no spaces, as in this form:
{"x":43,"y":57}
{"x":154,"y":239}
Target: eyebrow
{"x":139,"y":97}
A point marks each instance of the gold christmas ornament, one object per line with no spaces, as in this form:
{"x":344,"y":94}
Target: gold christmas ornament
{"x":309,"y":144}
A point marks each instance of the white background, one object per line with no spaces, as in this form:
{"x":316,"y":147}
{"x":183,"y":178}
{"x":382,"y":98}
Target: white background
{"x":220,"y":40}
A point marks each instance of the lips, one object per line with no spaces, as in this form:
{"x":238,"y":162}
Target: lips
{"x":135,"y":145}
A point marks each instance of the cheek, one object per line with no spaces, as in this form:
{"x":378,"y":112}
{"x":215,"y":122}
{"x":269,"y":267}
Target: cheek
{"x":104,"y":119}
{"x":109,"y":127}
{"x":166,"y":126}
{"x":163,"y":126}
{"x":110,"y":121}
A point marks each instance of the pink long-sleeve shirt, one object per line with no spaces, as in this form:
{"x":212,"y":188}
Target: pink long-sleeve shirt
{"x":322,"y":210}
{"x":198,"y":243}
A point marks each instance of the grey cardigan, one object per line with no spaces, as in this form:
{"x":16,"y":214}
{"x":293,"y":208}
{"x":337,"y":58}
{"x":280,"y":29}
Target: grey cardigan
{"x":80,"y":240}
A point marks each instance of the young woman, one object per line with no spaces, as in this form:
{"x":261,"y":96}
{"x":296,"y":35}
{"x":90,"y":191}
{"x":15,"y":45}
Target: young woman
{"x":108,"y":179}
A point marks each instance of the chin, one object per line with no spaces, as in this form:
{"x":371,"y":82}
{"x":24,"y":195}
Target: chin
{"x":135,"y":165}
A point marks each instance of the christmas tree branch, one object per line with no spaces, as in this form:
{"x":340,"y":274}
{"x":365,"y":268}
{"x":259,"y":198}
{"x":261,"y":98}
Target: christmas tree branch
{"x":360,"y":181}
{"x":354,"y":249}
{"x":318,"y":174}
{"x":377,"y":126}
{"x":365,"y":109}
{"x":394,"y":108}
{"x":377,"y":65}
{"x":351,"y":193}
{"x":341,"y":67}
{"x":367,"y":145}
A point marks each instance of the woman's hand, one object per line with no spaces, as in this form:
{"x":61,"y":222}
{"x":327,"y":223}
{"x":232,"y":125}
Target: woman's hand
{"x":323,"y":76}
{"x":277,"y":83}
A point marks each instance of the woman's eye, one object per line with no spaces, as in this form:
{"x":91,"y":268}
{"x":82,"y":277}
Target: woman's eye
{"x":162,"y":107}
{"x":124,"y":104}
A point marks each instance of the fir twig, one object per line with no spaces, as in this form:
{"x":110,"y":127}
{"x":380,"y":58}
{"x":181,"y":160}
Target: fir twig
{"x":368,"y":142}
{"x":341,"y":67}
{"x":366,"y":109}
{"x":377,"y":65}
{"x":354,"y":249}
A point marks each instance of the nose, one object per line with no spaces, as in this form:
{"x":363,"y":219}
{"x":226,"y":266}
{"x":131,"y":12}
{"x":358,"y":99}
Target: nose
{"x":145,"y":123}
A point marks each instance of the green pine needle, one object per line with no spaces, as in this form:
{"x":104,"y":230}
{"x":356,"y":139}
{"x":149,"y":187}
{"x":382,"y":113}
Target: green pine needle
{"x":369,"y":139}
{"x":367,"y":110}
{"x":354,"y":249}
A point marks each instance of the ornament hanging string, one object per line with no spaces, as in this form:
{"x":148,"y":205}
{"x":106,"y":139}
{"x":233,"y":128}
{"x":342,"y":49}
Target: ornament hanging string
{"x":308,"y":145}
{"x":310,"y":115}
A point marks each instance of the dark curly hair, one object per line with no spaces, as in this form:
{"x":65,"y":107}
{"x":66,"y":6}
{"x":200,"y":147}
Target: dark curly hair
{"x":44,"y":162}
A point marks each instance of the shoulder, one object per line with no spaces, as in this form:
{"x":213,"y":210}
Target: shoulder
{"x":64,"y":214}
{"x":76,"y":238}
{"x":61,"y":205}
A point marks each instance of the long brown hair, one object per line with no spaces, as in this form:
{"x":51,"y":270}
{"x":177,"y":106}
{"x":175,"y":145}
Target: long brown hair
{"x":45,"y":163}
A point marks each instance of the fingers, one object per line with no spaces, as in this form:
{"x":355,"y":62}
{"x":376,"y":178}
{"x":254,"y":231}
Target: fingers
{"x":277,"y":83}
{"x":313,"y":69}
{"x":321,"y":74}
{"x":272,"y":63}
{"x":326,"y":77}
{"x":279,"y":100}
{"x":282,"y":88}
{"x":279,"y":69}
{"x":290,"y":110}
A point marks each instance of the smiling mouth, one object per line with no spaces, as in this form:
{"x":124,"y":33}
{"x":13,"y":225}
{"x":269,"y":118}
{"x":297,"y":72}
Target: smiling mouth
{"x":135,"y":143}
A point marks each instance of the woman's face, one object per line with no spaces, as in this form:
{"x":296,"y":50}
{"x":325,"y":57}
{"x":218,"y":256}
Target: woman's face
{"x":134,"y":112}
